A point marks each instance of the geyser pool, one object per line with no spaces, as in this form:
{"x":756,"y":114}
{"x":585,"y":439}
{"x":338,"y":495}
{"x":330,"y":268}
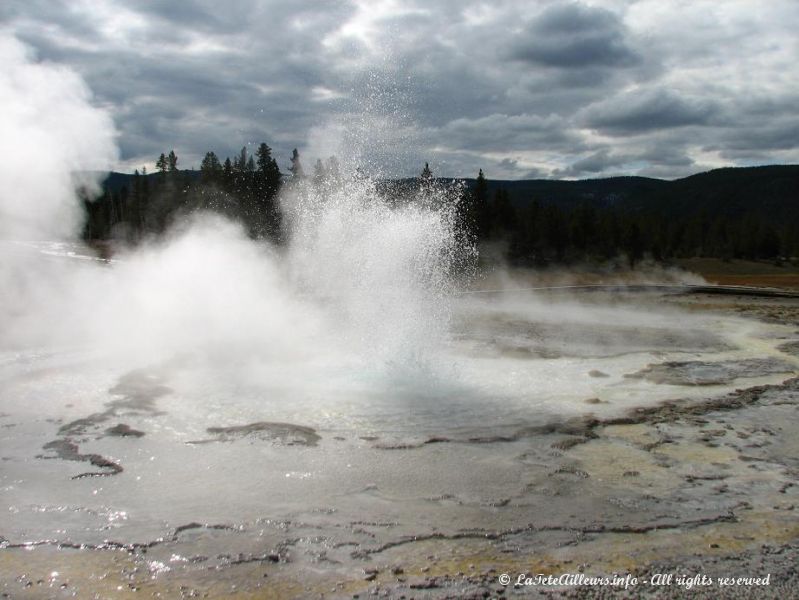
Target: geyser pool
{"x":281,"y":434}
{"x":210,"y":379}
{"x":206,"y":401}
{"x":214,"y":401}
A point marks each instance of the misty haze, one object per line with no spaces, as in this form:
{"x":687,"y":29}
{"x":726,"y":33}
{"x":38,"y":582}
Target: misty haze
{"x":385,"y":299}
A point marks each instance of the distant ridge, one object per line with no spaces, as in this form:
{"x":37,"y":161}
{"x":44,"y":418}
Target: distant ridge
{"x":771,"y":192}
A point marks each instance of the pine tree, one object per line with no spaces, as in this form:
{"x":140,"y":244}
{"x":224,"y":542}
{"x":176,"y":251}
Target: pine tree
{"x":319,"y":174}
{"x":582,"y":228}
{"x":426,"y":180}
{"x":296,"y":165}
{"x":161,"y":163}
{"x":240,"y":163}
{"x":227,"y":175}
{"x":268,"y":170}
{"x":172,"y":161}
{"x":264,"y":158}
{"x":135,"y":202}
{"x":123,"y":213}
{"x":554,"y":231}
{"x":503,"y":215}
{"x":145,"y":191}
{"x":427,"y":174}
{"x":482,"y":213}
{"x":633,"y":242}
{"x":768,"y":242}
{"x":526,"y":243}
{"x":210,"y":168}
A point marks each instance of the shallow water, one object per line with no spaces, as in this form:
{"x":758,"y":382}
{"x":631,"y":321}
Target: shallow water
{"x":424,"y":446}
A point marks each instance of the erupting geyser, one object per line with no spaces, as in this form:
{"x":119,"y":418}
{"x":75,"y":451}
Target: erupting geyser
{"x":356,"y":274}
{"x":205,"y":396}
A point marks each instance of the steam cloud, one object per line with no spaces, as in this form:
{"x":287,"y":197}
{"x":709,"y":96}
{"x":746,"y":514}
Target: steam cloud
{"x":358,"y":278}
{"x":49,"y":134}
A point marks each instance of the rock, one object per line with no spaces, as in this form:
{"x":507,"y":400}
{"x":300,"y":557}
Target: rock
{"x":427,"y":584}
{"x":286,"y":434}
{"x":122,"y":430}
{"x":697,"y":372}
{"x":567,"y":443}
{"x":570,"y":470}
{"x":594,"y":401}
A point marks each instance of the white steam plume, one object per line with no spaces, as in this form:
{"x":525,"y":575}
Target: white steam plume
{"x":360,"y":282}
{"x":49,"y":132}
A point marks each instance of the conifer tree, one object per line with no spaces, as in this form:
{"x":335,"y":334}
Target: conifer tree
{"x":263,"y":158}
{"x":240,"y":163}
{"x":135,"y":201}
{"x":427,"y":174}
{"x":172,"y":161}
{"x":210,"y":168}
{"x":481,"y":210}
{"x":268,"y":170}
{"x":426,"y":179}
{"x":227,"y":174}
{"x":319,"y":175}
{"x":296,"y":165}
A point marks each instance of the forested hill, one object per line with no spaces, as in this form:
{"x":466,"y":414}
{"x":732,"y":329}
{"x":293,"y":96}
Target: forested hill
{"x":750,"y":213}
{"x":770,"y":192}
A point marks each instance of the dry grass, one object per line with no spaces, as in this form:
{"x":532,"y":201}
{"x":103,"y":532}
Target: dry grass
{"x":687,"y":271}
{"x":743,"y":272}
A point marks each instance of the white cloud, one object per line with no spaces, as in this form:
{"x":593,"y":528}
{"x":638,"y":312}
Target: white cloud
{"x":548,"y":83}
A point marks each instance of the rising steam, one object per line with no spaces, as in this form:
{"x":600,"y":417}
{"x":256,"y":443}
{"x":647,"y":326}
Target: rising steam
{"x":358,"y":276}
{"x":50,"y":134}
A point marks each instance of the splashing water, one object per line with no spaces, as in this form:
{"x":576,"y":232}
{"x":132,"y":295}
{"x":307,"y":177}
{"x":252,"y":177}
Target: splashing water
{"x":362,"y":275}
{"x":384,"y":268}
{"x":357,"y":304}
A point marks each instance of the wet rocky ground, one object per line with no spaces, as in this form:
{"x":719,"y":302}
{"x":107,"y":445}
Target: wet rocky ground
{"x":704,"y":484}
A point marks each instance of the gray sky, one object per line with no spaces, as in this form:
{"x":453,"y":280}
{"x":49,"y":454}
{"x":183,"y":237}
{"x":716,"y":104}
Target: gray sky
{"x":520,"y":88}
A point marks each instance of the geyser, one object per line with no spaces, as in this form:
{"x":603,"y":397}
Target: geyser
{"x":354,"y":317}
{"x":357,"y":277}
{"x":206,"y":400}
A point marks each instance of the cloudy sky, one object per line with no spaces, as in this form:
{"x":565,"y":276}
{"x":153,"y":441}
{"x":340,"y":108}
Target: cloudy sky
{"x":520,"y":88}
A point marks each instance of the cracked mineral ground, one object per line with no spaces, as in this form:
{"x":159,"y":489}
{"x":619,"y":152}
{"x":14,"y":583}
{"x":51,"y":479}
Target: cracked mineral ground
{"x":621,"y":433}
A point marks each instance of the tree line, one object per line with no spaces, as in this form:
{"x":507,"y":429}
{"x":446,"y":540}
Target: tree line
{"x":534,"y":232}
{"x":244,"y":189}
{"x":540,"y":233}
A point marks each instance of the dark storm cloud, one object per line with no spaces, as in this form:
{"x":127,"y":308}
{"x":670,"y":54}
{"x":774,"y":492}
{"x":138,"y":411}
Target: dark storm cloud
{"x":668,"y":155}
{"x":57,"y":15}
{"x":763,"y":125}
{"x":196,"y":15}
{"x":780,"y":135}
{"x":509,"y":132}
{"x":187,"y":75}
{"x":647,"y":110}
{"x":517,"y":88}
{"x":597,"y":163}
{"x":575,"y":36}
